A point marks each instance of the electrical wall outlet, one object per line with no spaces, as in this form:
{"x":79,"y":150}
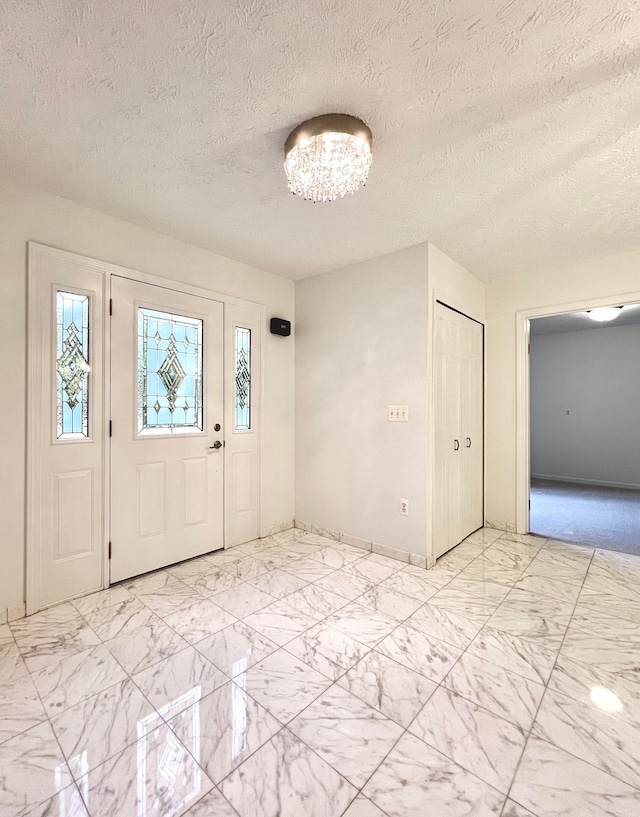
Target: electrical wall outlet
{"x":398,"y":414}
{"x":404,"y":507}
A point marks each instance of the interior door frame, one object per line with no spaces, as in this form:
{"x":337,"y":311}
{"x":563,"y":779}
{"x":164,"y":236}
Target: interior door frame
{"x":435,"y":297}
{"x":523,"y":385}
{"x":36,"y":254}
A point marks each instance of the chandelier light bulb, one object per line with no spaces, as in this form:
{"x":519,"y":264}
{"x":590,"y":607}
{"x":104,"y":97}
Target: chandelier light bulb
{"x":328,"y":157}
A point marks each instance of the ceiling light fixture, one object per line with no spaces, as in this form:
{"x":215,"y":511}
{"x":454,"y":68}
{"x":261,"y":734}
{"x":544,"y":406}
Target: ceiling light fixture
{"x":327,"y":157}
{"x":604,"y":313}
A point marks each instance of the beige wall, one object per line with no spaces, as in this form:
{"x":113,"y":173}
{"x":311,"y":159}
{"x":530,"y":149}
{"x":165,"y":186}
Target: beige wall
{"x":601,"y":278}
{"x":362,"y":343}
{"x":27,"y":214}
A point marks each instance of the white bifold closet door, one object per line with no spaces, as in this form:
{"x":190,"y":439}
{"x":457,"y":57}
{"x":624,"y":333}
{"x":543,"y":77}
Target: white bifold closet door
{"x":459,"y":443}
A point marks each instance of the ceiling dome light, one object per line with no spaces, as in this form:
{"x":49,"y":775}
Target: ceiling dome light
{"x":327,"y":157}
{"x":604,"y":313}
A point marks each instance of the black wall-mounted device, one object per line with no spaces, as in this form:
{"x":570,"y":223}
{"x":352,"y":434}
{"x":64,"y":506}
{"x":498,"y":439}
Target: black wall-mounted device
{"x":280,"y":327}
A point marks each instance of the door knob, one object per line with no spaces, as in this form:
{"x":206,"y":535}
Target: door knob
{"x":216,"y":427}
{"x":456,"y":445}
{"x":216,"y":445}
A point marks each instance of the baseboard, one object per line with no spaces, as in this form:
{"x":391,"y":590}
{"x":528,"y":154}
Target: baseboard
{"x":372,"y":547}
{"x":8,"y":614}
{"x":579,"y":481}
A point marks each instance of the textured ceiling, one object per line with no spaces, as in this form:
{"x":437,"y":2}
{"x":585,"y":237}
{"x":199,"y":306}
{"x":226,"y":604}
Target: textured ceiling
{"x":577,"y":321}
{"x":506,"y":132}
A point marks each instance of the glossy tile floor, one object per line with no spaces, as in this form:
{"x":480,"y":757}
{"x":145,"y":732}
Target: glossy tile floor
{"x":300,"y":677}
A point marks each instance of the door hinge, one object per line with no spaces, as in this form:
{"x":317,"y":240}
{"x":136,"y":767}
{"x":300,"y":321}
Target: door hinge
{"x":109,"y":549}
{"x":528,"y":348}
{"x":111,"y":428}
{"x":529,"y":504}
{"x":110,"y":306}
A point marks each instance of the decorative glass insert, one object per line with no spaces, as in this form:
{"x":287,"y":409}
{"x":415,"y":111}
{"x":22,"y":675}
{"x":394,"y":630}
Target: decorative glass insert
{"x":72,"y":365}
{"x":243,"y":379}
{"x":169,"y":372}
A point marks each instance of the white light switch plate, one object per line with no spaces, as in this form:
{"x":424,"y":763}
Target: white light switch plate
{"x":398,"y":414}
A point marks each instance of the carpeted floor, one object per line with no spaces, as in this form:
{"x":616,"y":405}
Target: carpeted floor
{"x":591,"y":514}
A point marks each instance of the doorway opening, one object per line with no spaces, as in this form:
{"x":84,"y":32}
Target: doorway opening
{"x":584,"y":427}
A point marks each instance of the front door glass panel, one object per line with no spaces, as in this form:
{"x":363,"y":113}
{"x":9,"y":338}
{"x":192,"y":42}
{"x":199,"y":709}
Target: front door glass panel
{"x":169,"y":373}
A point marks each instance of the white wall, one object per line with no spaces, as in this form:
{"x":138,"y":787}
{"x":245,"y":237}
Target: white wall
{"x":599,"y":278}
{"x":362,"y":343}
{"x":595,"y":375}
{"x":27,"y":214}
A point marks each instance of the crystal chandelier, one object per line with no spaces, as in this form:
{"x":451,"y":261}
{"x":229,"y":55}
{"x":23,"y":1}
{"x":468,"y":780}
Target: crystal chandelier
{"x":327,"y":157}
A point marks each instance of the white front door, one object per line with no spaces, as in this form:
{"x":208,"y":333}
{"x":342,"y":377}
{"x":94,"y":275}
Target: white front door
{"x":167,"y":450}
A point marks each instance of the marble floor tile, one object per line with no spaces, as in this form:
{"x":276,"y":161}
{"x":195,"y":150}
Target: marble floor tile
{"x":530,"y":539}
{"x":512,"y":809}
{"x":560,"y":589}
{"x":274,"y":558}
{"x":236,"y":648}
{"x":32,"y":770}
{"x":447,"y":626}
{"x":594,"y":687}
{"x":532,"y":616}
{"x":458,"y":558}
{"x":558,"y":546}
{"x":67,"y":803}
{"x":531,"y":659}
{"x":361,"y":807}
{"x":418,"y":652}
{"x":486,"y":745}
{"x":122,"y":617}
{"x":243,"y":600}
{"x":213,"y":804}
{"x":470,"y":598}
{"x":151,"y":582}
{"x":603,"y":581}
{"x":609,"y":605}
{"x":484,"y":536}
{"x":193,"y":567}
{"x":416,"y":587}
{"x":214,"y":581}
{"x":372,"y":570}
{"x":278,"y":583}
{"x":484,"y":569}
{"x":345,"y":584}
{"x":396,"y":691}
{"x":249,"y":548}
{"x":76,"y":678}
{"x":308,"y":569}
{"x":315,"y":601}
{"x":103,"y":601}
{"x":416,"y":780}
{"x":389,"y":603}
{"x":170,"y":599}
{"x":362,"y":623}
{"x":47,"y":621}
{"x":200,"y":620}
{"x":223,"y":729}
{"x":102,"y":726}
{"x":283,"y":684}
{"x":347,"y":733}
{"x":611,"y":744}
{"x":48,"y":644}
{"x":618,"y":656}
{"x":286,"y":779}
{"x":552,"y":783}
{"x":280,"y":622}
{"x":327,"y":650}
{"x":336,"y":557}
{"x":560,"y":565}
{"x":437,"y":576}
{"x":502,"y":693}
{"x":145,"y":645}
{"x":172,"y":683}
{"x":156,"y":776}
{"x":12,"y":664}
{"x":20,"y":708}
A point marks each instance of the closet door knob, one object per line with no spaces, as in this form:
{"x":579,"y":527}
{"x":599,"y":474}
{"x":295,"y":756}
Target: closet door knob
{"x":456,"y":445}
{"x":468,"y":442}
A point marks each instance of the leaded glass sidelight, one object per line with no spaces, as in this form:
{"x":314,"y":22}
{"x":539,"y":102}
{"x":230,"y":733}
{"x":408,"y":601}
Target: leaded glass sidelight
{"x":72,"y":366}
{"x":243,"y":379}
{"x":169,"y":372}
